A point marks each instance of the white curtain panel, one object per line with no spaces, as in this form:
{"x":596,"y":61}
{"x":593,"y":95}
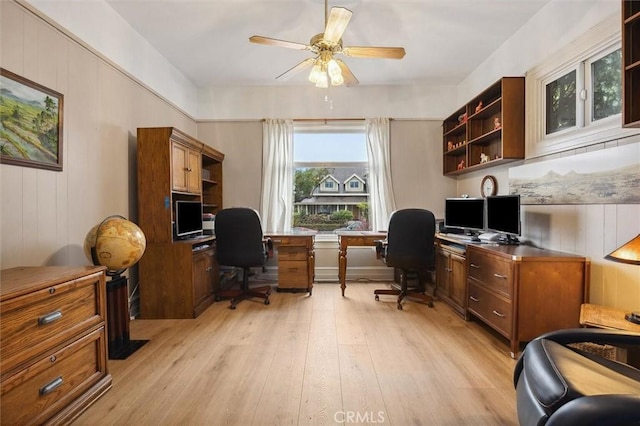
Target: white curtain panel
{"x":277,"y":175}
{"x":381,"y":201}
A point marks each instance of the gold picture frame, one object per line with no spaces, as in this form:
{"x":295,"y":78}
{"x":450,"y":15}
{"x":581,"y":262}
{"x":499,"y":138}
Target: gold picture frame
{"x":30,"y":123}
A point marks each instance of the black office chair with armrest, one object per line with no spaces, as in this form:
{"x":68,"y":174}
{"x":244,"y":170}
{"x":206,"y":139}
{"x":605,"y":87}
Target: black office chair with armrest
{"x":240,"y":243}
{"x":409,"y":247}
{"x":561,"y":385}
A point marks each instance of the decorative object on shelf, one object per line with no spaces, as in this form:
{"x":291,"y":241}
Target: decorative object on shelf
{"x":484,"y":158}
{"x":35,"y":123}
{"x":489,"y":186}
{"x":629,"y":253}
{"x":450,"y":145}
{"x":496,"y":123}
{"x":479,"y":106}
{"x":461,"y":165}
{"x":462,"y":118}
{"x":117,"y":244}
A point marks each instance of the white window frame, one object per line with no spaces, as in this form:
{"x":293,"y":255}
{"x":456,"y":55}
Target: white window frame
{"x":599,"y":41}
{"x":327,"y":126}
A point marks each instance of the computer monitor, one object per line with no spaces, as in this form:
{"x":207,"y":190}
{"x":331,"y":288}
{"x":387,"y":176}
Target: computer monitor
{"x":188,"y":219}
{"x":503,"y":215}
{"x":464,"y":213}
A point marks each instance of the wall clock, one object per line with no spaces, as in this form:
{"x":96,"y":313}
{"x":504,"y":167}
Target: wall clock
{"x":489,"y":186}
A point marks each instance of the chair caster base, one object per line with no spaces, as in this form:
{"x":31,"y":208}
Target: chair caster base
{"x":377,"y":298}
{"x":399,"y":306}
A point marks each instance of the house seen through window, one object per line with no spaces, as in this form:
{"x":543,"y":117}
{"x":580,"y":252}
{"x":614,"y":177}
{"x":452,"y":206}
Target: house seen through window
{"x":330,"y":177}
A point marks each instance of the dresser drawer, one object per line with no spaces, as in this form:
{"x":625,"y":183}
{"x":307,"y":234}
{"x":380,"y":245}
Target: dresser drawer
{"x":54,"y":380}
{"x":491,"y":271}
{"x":37,"y":321}
{"x":491,"y":309}
{"x":292,"y":253}
{"x":293,"y":274}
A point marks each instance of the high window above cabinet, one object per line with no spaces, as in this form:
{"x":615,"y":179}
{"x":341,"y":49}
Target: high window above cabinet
{"x":631,"y":62}
{"x":486,"y":131}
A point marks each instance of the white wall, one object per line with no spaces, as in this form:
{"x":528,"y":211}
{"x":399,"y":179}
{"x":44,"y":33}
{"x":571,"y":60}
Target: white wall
{"x":588,"y":230}
{"x":46,"y":215}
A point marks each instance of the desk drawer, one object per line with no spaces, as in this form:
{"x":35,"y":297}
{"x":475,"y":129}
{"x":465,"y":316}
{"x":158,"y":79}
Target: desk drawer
{"x":293,"y":274}
{"x":53,"y":381}
{"x":289,"y":241}
{"x":290,"y":253}
{"x":491,"y":271}
{"x":37,"y":321}
{"x":491,"y":309}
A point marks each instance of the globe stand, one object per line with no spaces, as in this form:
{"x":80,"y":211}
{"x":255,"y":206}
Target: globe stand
{"x":120,"y":344}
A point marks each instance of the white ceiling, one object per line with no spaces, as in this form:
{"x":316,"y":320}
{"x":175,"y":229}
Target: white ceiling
{"x":207,"y":40}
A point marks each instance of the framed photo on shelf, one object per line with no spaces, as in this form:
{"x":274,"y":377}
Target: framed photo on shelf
{"x":30,"y":123}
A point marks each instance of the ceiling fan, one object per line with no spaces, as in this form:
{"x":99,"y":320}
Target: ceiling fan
{"x":325,"y":68}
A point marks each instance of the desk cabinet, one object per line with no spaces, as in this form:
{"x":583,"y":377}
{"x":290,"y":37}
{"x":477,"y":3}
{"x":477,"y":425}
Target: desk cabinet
{"x":523,"y":292}
{"x":53,"y":356}
{"x":451,"y":276}
{"x":296,"y":262}
{"x":180,"y":279}
{"x":186,"y":168}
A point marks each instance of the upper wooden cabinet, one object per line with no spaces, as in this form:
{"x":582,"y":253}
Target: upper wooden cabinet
{"x":631,"y":63}
{"x":174,"y":166}
{"x":185,"y":168}
{"x":486,"y":131}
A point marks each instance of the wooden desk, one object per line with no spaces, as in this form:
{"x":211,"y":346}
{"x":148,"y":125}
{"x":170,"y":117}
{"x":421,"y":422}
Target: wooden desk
{"x":353,"y":238}
{"x":598,"y":316}
{"x":296,"y":260}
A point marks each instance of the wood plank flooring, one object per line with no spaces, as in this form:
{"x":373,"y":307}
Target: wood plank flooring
{"x":313,"y":360}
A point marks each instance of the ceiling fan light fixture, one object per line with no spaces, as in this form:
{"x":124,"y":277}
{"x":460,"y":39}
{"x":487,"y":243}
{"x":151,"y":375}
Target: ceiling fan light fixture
{"x":323,"y":79}
{"x":315,"y":73}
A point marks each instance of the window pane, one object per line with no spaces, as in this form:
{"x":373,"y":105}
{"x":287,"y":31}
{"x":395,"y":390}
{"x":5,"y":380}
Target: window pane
{"x":607,"y":86}
{"x":561,"y":103}
{"x":329,"y":147}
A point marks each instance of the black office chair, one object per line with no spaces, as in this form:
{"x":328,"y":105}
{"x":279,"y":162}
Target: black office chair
{"x":561,"y":385}
{"x":240,"y":243}
{"x":409,"y":247}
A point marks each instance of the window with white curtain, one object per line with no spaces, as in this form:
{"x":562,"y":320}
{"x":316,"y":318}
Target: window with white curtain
{"x":336,"y":149}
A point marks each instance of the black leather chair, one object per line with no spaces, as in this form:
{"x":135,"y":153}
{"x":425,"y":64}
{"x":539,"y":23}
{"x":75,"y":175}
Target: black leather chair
{"x":558,"y":384}
{"x":409,"y":247}
{"x":240,"y":243}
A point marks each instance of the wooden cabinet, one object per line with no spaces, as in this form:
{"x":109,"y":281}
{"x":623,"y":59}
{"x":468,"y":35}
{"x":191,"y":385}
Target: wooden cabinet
{"x":177,"y":278}
{"x":53,"y":346}
{"x":523,"y":292}
{"x":451,"y":276}
{"x":296,"y":261}
{"x":186,"y":169}
{"x":631,"y":63}
{"x":487,"y":131}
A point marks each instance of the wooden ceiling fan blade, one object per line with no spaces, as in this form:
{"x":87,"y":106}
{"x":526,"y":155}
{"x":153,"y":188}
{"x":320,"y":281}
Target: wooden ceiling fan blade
{"x":279,"y":43}
{"x":350,"y":80}
{"x":374,"y":52}
{"x":296,"y":69}
{"x":336,"y":24}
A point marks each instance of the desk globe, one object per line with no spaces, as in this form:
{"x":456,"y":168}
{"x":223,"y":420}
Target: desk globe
{"x":117,"y":244}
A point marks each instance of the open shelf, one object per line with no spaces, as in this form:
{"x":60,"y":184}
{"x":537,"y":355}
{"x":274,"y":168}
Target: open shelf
{"x":631,"y":63}
{"x":491,"y":124}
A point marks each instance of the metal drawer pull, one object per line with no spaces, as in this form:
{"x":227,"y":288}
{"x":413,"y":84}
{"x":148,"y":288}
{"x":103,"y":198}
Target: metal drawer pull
{"x":50,"y":387}
{"x":504,"y":277}
{"x":498,"y":314}
{"x":474,"y":299}
{"x":473,"y":265}
{"x":448,"y":269}
{"x":209,"y":269}
{"x":49,"y":318}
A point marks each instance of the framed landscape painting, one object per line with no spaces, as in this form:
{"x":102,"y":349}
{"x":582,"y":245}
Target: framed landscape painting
{"x":30,"y":123}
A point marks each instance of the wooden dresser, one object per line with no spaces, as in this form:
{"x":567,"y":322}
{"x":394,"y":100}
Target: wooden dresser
{"x":53,"y":345}
{"x":523,"y":292}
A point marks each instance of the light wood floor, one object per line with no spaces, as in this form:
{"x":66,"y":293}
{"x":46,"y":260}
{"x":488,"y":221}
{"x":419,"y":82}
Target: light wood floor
{"x":306,"y":360}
